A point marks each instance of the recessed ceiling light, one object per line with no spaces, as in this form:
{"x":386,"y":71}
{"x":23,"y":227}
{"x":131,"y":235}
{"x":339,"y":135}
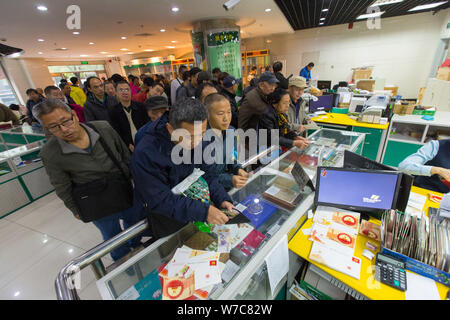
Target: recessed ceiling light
{"x":63,"y":48}
{"x":324,"y":10}
{"x":91,"y":43}
{"x":171,"y":47}
{"x":39,"y":52}
{"x":384,"y":2}
{"x":75,"y":32}
{"x":124,"y":49}
{"x":268,"y":41}
{"x":123,"y":38}
{"x":103,"y":52}
{"x":173,"y":41}
{"x":16,"y":294}
{"x":163,"y":30}
{"x":42,"y":8}
{"x":370,"y":15}
{"x":427,"y":6}
{"x":130,"y":53}
{"x":148,"y":50}
{"x":41,"y":40}
{"x":321,"y":23}
{"x":70,"y":250}
{"x":322,"y":19}
{"x":268,"y":10}
{"x":175,"y":9}
{"x":83,"y":55}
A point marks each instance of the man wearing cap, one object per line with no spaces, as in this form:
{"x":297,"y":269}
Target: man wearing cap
{"x":255,"y":102}
{"x":155,"y":106}
{"x":296,"y":112}
{"x":230,"y":86}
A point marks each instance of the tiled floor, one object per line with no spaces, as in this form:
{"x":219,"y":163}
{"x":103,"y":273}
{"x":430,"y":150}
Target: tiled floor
{"x":36,"y":242}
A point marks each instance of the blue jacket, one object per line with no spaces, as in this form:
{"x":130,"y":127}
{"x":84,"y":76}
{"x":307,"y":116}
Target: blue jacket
{"x":305,"y":73}
{"x":155,"y":175}
{"x":229,"y":165}
{"x":141,"y":132}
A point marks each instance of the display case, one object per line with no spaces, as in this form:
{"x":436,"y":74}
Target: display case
{"x":23,"y":178}
{"x":278,"y":207}
{"x":19,"y":136}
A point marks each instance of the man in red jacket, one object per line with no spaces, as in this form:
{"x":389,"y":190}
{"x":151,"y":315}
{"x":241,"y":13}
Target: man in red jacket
{"x":52,"y":92}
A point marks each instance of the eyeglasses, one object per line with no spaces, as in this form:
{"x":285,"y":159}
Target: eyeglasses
{"x":57,"y":127}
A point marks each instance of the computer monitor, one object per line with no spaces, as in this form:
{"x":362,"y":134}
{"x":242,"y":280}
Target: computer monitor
{"x":323,"y":103}
{"x":324,"y":85}
{"x":356,"y":161}
{"x":366,"y":191}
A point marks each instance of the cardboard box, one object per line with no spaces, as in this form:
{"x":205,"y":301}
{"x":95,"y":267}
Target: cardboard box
{"x":443,"y":74}
{"x":404,"y":108}
{"x":393,"y":89}
{"x":420,"y":96}
{"x":359,"y":74}
{"x":368,"y":84}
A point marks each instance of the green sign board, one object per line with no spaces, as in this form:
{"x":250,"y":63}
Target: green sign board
{"x":224,"y":50}
{"x":84,"y":62}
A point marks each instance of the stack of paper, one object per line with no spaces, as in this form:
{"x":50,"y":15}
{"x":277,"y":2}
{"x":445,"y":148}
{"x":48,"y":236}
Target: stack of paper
{"x":415,"y":205}
{"x":191,"y":272}
{"x":334,"y":234}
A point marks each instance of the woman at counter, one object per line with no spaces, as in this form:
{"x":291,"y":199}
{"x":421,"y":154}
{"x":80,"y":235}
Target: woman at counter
{"x":274,"y":117}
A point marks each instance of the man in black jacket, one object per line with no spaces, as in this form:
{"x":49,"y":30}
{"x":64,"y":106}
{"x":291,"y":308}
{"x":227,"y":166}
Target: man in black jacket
{"x":230,"y":86}
{"x":127,"y":116}
{"x":98,"y":102}
{"x":284,"y":83}
{"x":188,"y":90}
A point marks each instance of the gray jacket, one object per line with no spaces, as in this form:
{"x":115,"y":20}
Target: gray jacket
{"x":95,"y":110}
{"x":66,"y":164}
{"x":294,"y":122}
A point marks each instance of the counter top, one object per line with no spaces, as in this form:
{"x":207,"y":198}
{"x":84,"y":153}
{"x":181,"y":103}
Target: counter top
{"x":344,"y":119}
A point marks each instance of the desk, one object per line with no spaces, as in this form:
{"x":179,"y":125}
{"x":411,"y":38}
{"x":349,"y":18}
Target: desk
{"x":375,"y":133}
{"x":367,"y":285}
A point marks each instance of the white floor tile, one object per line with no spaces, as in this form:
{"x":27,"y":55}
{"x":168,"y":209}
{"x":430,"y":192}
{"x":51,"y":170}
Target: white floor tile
{"x":38,"y":281}
{"x":90,"y":292}
{"x":86,"y":238}
{"x":20,"y":249}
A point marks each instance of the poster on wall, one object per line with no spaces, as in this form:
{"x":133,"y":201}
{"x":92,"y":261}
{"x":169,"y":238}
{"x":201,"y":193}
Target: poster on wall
{"x":224,"y":50}
{"x":199,"y":50}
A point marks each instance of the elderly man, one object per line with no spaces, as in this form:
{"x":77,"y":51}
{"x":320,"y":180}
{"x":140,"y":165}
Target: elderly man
{"x":52,"y":92}
{"x":75,"y":157}
{"x":297,"y":116}
{"x":256,"y":102}
{"x":158,"y":173}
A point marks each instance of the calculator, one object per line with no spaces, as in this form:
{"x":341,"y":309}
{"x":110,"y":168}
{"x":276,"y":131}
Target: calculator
{"x":390,"y":271}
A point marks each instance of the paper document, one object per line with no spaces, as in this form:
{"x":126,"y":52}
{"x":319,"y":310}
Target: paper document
{"x":420,"y":288}
{"x":277,"y":262}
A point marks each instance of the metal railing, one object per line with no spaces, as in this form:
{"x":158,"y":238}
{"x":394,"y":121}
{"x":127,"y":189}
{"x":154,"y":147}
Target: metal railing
{"x":65,"y":282}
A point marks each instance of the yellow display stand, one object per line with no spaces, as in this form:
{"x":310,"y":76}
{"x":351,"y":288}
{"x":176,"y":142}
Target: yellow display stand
{"x":367,"y":285}
{"x":345,"y":120}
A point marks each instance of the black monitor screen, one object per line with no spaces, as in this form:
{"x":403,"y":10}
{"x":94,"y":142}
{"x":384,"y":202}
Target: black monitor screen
{"x":354,"y":189}
{"x":322,"y":84}
{"x":324,"y":102}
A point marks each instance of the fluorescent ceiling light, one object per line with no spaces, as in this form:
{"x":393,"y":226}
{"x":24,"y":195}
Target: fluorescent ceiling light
{"x":370,"y":15}
{"x":42,"y":8}
{"x":428,"y":6}
{"x":384,"y":2}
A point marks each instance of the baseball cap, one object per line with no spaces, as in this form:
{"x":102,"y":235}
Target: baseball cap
{"x":230,"y":81}
{"x":268,"y":77}
{"x":298,"y":82}
{"x":156,"y":102}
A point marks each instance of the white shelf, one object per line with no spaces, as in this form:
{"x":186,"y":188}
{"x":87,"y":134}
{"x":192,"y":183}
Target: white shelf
{"x":404,"y":138}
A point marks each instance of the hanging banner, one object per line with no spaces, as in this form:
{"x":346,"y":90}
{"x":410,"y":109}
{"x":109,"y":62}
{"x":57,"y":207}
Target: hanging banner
{"x":224,"y":51}
{"x":199,"y":50}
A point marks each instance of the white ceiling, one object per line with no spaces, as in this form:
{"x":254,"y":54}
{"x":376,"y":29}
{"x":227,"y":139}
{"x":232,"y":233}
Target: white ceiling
{"x":21,"y":24}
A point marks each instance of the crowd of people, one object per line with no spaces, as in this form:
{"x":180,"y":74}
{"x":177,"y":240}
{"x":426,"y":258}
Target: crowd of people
{"x":116,"y":136}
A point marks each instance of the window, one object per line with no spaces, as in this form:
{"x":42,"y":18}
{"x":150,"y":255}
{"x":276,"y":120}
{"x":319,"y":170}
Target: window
{"x":7,"y":95}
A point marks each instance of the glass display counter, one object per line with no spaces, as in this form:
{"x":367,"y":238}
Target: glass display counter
{"x":19,"y":136}
{"x":23,"y":178}
{"x":278,"y":207}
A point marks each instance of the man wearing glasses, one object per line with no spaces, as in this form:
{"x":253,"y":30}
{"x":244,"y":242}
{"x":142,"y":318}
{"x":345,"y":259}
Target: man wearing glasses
{"x":75,"y":156}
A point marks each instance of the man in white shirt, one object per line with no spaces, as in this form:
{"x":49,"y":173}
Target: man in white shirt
{"x":176,"y":83}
